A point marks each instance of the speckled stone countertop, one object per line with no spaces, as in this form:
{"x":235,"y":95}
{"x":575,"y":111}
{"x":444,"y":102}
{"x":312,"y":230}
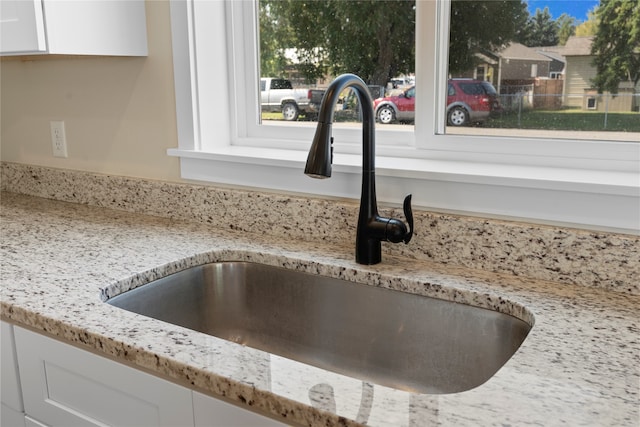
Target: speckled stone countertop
{"x":579,"y":365}
{"x":565,"y":255}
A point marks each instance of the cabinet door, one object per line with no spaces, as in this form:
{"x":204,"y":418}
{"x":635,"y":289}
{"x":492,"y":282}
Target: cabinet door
{"x":11,"y":393}
{"x":9,"y":417}
{"x":30,"y":422}
{"x":96,"y":27}
{"x":22,"y":27}
{"x":66,"y":386}
{"x":210,"y":412}
{"x":73,"y":27}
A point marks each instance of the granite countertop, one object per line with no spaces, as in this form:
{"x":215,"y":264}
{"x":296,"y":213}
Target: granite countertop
{"x":579,"y":365}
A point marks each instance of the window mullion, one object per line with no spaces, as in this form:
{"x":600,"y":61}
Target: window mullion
{"x":431,"y":43}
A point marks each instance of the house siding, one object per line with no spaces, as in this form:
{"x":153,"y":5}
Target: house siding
{"x":625,"y":100}
{"x":579,"y":73}
{"x":578,"y":89}
{"x":515,"y":69}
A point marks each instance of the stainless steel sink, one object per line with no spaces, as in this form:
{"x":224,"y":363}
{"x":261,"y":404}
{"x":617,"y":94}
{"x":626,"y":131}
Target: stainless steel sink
{"x":391,"y":338}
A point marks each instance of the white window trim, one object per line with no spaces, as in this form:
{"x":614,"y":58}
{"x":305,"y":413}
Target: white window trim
{"x":587,"y":184}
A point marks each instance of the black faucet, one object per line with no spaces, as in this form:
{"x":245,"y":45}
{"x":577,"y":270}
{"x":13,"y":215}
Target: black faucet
{"x":372,"y":228}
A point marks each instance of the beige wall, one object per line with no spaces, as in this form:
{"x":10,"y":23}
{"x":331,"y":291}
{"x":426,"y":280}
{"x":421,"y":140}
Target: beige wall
{"x":119,"y":113}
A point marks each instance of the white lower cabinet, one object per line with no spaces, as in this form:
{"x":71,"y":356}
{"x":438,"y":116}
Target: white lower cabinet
{"x":9,"y":417}
{"x":30,"y":422}
{"x":211,"y":412}
{"x":65,"y":386}
{"x":11,"y":409}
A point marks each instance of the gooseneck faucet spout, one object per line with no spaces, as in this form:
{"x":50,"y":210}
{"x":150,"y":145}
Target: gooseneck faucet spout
{"x":372,"y":228}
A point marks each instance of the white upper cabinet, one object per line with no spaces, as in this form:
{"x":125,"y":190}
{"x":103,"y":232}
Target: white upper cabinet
{"x":71,"y":27}
{"x":22,"y":27}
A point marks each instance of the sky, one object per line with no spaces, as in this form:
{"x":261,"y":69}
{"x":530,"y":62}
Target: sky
{"x":576,"y":8}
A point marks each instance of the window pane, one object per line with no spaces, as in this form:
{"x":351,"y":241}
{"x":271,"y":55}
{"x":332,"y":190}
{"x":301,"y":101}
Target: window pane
{"x":534,"y":64}
{"x":308,"y":43}
{"x":540,"y":68}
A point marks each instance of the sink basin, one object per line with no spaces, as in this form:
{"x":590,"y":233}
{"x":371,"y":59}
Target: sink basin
{"x":386,"y":337}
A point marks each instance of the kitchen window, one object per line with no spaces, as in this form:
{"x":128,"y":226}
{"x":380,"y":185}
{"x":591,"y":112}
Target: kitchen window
{"x":587,"y":183}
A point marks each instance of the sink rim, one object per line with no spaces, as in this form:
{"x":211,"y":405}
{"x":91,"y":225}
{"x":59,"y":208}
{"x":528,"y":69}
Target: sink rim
{"x":424,"y":286}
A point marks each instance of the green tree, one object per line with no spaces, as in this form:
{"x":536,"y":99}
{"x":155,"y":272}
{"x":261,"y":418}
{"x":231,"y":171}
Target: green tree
{"x":272,"y":53}
{"x":480,"y":26}
{"x":616,"y":45}
{"x":541,"y":29}
{"x":376,"y":38}
{"x":588,"y":27}
{"x":566,"y":28}
{"x":290,"y":27}
{"x":373,"y":39}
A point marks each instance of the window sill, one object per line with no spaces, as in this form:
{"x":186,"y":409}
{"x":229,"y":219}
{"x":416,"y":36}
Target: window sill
{"x":588,"y":199}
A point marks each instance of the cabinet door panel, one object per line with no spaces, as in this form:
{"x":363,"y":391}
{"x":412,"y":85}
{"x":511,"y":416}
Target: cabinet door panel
{"x":22,"y":27}
{"x":97,"y":27}
{"x":210,"y":412}
{"x":11,"y":393}
{"x":73,"y":27}
{"x":9,"y":417}
{"x":66,"y":386}
{"x":30,"y":422}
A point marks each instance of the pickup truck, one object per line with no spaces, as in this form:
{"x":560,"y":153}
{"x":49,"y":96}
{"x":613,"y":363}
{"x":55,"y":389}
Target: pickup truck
{"x":279,"y":95}
{"x":316,"y":95}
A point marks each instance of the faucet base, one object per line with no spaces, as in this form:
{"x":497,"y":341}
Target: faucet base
{"x":368,"y":252}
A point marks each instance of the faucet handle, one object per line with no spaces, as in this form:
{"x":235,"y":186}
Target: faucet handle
{"x":395,"y":230}
{"x":408,"y":213}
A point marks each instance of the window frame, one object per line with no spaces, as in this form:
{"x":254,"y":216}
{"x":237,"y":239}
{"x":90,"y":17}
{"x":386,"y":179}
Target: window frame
{"x":534,"y":179}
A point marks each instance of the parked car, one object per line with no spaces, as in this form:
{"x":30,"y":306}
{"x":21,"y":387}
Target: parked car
{"x":279,"y":95}
{"x":400,"y":107}
{"x":316,"y":96}
{"x":468,"y":101}
{"x":400,"y":82}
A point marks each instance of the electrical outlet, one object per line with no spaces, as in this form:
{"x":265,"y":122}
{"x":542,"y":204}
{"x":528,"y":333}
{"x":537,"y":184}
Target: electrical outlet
{"x":58,"y":139}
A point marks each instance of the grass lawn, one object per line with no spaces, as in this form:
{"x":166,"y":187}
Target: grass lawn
{"x":339,"y":116}
{"x":275,"y":115}
{"x":570,"y":119}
